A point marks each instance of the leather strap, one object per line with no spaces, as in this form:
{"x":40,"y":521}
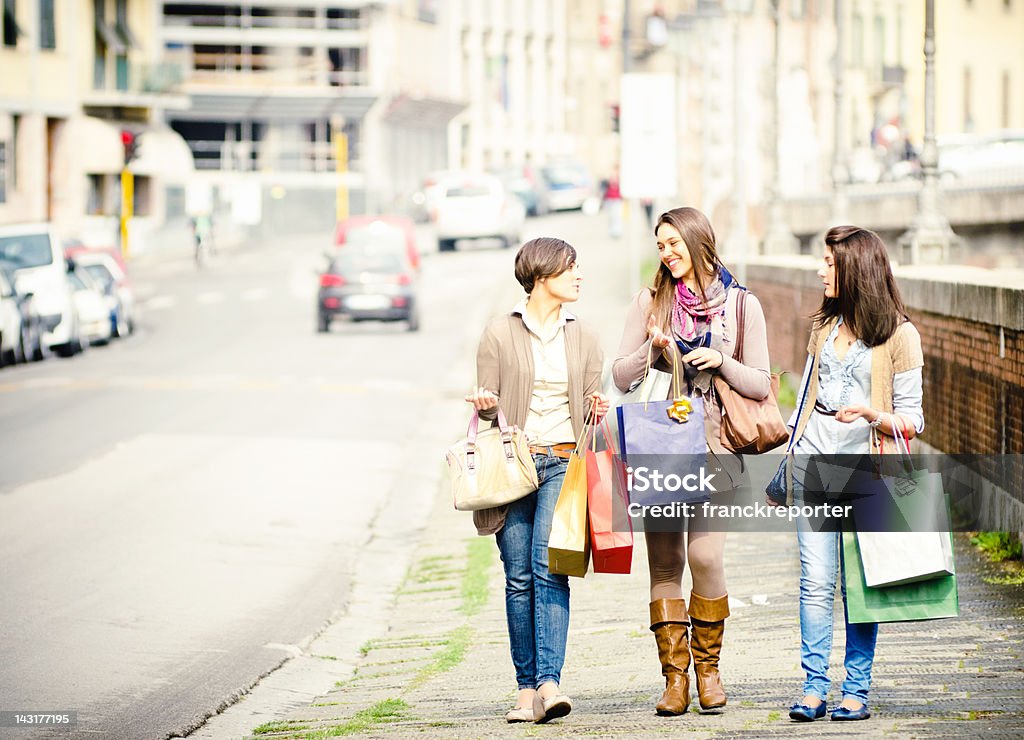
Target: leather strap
{"x":741,"y":323}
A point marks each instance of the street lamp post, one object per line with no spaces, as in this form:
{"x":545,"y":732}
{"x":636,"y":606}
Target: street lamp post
{"x":930,"y":237}
{"x":738,"y":243}
{"x":778,"y":239}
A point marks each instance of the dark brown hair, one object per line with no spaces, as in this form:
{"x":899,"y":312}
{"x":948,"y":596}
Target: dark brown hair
{"x":695,"y":229}
{"x":867,"y":296}
{"x":543,"y":257}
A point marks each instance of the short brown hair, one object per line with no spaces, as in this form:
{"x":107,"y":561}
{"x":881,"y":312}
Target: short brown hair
{"x":543,"y":257}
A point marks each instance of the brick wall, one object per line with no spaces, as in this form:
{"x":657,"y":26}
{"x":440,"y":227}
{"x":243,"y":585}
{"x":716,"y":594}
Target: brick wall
{"x":973,"y":342}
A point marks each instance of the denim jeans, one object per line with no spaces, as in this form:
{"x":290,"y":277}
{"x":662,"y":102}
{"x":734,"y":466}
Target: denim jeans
{"x":819,"y":567}
{"x":536,"y":602}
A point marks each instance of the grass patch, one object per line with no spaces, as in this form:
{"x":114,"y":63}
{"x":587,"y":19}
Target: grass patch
{"x":453,"y":653}
{"x":1010,"y":579}
{"x":998,"y":546}
{"x":479,"y":556}
{"x":787,"y":392}
{"x":288,"y":725}
{"x":366,"y":647}
{"x":389,"y":710}
{"x":324,"y":657}
{"x":774,"y":716}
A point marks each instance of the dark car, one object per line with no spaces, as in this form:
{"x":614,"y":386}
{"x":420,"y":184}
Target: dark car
{"x":374,"y":281}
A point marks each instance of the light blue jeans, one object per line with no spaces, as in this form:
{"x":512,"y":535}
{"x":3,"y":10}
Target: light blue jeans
{"x":536,"y":602}
{"x":820,"y":560}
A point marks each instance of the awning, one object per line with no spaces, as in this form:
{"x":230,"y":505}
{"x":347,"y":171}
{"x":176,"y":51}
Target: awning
{"x":421,"y":112}
{"x":163,"y":153}
{"x":96,"y":145}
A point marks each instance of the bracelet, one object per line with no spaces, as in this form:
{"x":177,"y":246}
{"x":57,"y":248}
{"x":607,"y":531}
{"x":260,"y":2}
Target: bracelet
{"x":877,"y":422}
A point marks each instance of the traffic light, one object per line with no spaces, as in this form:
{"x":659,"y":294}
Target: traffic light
{"x":130,"y":143}
{"x":615,"y":109}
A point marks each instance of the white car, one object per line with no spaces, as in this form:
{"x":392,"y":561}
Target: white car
{"x":113,"y":282}
{"x":36,"y":255}
{"x":476,"y":206}
{"x":93,"y":313}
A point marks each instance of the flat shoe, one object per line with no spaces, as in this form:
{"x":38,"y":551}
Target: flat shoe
{"x":553,"y":708}
{"x":519,"y":714}
{"x":842,"y":714}
{"x":804,"y":713}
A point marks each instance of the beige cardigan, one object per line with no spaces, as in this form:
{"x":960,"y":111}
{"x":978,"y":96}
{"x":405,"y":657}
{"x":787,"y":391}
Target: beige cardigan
{"x":504,"y":366}
{"x":902,"y":352}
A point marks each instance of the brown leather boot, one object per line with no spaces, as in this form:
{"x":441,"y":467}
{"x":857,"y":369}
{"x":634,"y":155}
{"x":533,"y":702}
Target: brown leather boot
{"x":708,"y":624}
{"x":668,"y":623}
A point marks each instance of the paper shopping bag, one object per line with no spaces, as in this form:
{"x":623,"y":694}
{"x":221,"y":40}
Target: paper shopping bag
{"x":932,"y":599}
{"x":569,"y":543}
{"x":611,"y":529}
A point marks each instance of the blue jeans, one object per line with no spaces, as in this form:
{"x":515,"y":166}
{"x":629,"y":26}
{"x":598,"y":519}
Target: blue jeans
{"x":536,"y":602}
{"x":819,"y":567}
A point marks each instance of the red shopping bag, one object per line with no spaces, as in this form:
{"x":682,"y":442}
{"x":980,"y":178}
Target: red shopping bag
{"x":611,"y":530}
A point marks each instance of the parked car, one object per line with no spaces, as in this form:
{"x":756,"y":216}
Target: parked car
{"x":363,"y":230}
{"x":374,"y":281}
{"x":20,"y":330}
{"x":527,"y":184}
{"x":36,"y":253}
{"x":113,"y":283}
{"x":91,"y":306}
{"x":569,"y":185}
{"x":476,"y":206}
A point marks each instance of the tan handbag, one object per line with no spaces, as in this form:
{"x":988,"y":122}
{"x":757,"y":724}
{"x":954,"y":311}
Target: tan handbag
{"x":749,"y":427}
{"x":492,"y":467}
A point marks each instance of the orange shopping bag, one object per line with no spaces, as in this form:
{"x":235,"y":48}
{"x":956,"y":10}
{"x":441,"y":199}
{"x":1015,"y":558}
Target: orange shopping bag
{"x":569,"y":543}
{"x":611,"y":529}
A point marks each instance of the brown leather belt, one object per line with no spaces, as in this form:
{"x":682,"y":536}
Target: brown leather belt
{"x":561,"y":450}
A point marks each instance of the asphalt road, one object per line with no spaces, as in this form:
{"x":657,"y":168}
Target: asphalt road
{"x":179,"y":509}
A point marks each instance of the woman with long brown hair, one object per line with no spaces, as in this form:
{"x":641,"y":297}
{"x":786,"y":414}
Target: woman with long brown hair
{"x":692,"y":304}
{"x":861,"y":386}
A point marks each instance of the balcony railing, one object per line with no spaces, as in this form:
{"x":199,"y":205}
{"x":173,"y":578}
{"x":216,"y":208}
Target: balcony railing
{"x":310,"y":156}
{"x":241,"y":69}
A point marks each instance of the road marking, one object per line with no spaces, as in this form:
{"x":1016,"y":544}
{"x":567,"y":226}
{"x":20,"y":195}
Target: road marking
{"x":213,"y":296}
{"x":255,"y":294}
{"x":160,"y":302}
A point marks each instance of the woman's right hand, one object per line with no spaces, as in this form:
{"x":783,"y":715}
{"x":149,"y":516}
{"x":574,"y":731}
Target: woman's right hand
{"x":482,"y":399}
{"x":658,"y":338}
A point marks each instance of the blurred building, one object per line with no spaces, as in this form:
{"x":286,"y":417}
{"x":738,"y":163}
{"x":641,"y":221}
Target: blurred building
{"x":271,"y":85}
{"x":511,"y":69}
{"x":77,"y":77}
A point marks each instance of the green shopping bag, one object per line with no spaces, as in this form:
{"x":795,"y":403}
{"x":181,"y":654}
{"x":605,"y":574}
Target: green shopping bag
{"x":911,"y":602}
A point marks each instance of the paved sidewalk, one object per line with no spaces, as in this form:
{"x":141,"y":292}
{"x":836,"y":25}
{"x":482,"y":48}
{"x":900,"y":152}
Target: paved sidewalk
{"x":439,"y":665}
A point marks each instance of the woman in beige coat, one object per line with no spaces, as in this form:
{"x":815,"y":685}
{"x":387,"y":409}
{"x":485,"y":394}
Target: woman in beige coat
{"x":543,"y":368}
{"x":693,"y":304}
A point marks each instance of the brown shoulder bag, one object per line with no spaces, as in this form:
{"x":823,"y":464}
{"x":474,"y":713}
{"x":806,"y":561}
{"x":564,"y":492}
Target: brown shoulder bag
{"x":749,"y":427}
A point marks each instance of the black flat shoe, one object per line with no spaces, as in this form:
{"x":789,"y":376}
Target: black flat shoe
{"x":842,"y":714}
{"x":804,"y":713}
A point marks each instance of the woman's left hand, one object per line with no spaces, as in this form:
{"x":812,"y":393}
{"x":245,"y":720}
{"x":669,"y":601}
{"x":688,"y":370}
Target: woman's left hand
{"x":849,"y":414}
{"x":704,"y":358}
{"x":600,"y":404}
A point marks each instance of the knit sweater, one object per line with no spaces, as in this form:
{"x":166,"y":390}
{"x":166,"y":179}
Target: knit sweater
{"x":504,"y":366}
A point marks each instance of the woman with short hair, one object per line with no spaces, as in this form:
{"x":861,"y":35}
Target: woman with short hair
{"x":542,"y":366}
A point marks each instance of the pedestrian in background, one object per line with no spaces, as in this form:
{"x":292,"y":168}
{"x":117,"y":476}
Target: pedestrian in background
{"x":862,"y":379}
{"x":693,"y":304}
{"x":543,"y":367}
{"x":611,"y":200}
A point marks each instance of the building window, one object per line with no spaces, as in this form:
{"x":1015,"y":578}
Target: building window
{"x":857,"y":50}
{"x":1006,"y":99}
{"x":968,"y":118}
{"x":47,"y":27}
{"x":879,"y":60}
{"x":3,"y":171}
{"x":11,"y":30}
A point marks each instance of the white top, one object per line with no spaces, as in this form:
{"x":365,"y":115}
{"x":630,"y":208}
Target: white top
{"x":548,"y":421}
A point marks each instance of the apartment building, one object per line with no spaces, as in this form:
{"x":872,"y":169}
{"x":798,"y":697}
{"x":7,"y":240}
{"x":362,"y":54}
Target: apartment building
{"x":77,"y":75}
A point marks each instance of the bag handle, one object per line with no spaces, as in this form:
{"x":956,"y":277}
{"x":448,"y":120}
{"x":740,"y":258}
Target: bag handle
{"x":741,"y":324}
{"x":474,"y":426}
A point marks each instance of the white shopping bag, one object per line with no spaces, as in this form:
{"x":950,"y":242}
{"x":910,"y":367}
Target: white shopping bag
{"x":895,"y":558}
